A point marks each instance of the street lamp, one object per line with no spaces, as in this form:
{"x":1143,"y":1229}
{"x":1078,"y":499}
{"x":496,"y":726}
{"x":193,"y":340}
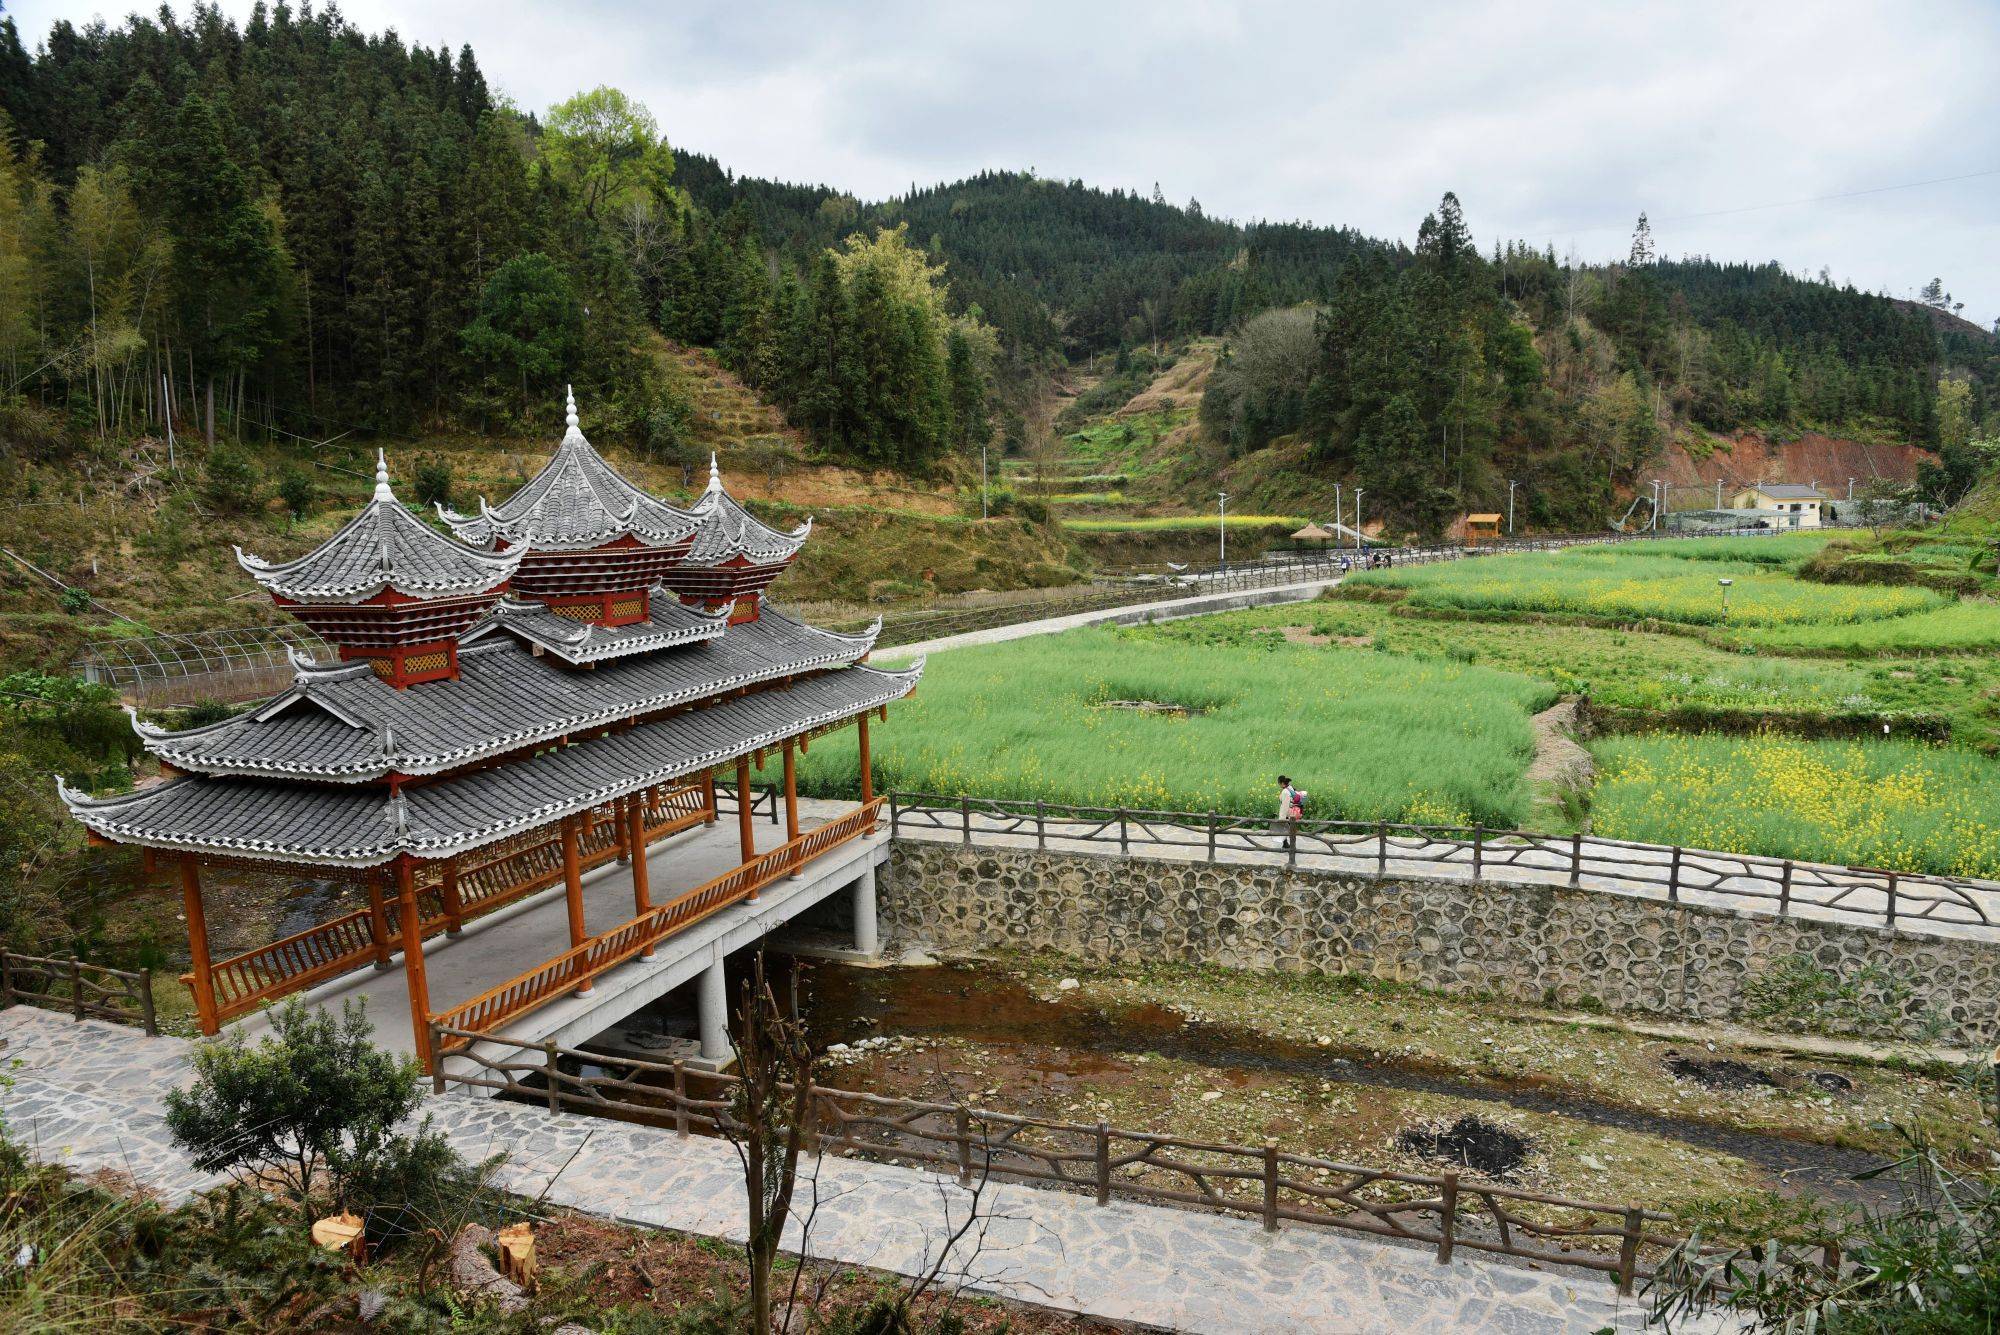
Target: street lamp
{"x":982,"y":480}
{"x":1511,"y":484}
{"x":1357,"y":519}
{"x":1725,"y":583}
{"x":1222,"y":528}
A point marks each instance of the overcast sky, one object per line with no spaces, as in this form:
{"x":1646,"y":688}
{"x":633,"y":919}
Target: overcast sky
{"x":1557,"y":122}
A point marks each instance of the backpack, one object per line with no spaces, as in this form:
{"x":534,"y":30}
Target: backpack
{"x":1298,"y":803}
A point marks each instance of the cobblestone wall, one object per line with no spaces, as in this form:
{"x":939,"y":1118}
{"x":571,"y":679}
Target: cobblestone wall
{"x":1531,"y":944}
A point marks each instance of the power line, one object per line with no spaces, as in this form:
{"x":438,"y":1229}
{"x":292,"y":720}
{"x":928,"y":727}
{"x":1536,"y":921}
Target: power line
{"x":1824,"y":199}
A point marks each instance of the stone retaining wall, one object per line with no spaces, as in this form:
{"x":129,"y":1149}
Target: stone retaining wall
{"x":1531,"y":944}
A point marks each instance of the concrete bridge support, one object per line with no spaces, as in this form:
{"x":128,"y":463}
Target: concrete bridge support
{"x":712,"y":1012}
{"x":867,"y":936}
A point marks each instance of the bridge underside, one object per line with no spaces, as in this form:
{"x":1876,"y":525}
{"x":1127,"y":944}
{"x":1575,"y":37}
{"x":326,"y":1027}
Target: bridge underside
{"x":515,"y":940}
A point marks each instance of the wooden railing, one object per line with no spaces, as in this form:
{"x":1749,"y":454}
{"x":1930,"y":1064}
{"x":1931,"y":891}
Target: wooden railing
{"x":1870,"y":896}
{"x":95,"y":990}
{"x":497,"y":876}
{"x":1445,"y":1212}
{"x":578,"y":966}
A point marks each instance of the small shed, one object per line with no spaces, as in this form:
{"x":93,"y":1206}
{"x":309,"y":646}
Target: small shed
{"x":1481,"y":528}
{"x":1313,"y":533}
{"x":1792,"y":505}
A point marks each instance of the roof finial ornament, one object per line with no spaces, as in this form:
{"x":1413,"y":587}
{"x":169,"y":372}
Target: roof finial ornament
{"x":382,"y":492}
{"x":714,"y":472}
{"x":569,"y":411}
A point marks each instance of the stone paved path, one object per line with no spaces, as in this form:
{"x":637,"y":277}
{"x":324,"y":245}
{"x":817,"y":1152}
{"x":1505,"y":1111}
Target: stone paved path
{"x":87,"y":1094}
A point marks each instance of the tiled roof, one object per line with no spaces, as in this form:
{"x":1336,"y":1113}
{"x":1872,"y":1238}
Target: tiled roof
{"x":346,"y":725}
{"x":367,"y":826}
{"x":728,"y":530}
{"x":575,"y":503}
{"x":383,"y":547}
{"x":671,"y":622}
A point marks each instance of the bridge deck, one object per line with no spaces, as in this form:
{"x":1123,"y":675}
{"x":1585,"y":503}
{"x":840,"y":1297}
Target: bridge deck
{"x":518,"y":938}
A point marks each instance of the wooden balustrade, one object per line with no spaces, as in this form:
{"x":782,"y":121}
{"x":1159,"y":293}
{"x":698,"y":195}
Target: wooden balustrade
{"x":577,"y":967}
{"x":83,"y":989}
{"x":497,"y":876}
{"x":1624,"y":1242}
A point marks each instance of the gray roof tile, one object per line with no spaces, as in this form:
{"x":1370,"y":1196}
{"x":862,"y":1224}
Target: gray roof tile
{"x":366,"y":826}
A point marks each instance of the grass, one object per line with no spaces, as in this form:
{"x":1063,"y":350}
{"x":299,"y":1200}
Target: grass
{"x":1956,"y":627}
{"x":1879,"y":804}
{"x":1621,"y":584}
{"x":1370,"y":737}
{"x":1781,"y":549}
{"x":1181,"y":523}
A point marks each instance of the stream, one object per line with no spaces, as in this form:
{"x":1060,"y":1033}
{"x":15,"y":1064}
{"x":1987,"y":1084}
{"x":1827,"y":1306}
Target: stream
{"x":984,"y":1005}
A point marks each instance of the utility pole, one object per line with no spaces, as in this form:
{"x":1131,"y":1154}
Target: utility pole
{"x":982,"y":479}
{"x":1510,"y":506}
{"x":1718,"y":493}
{"x":1222,"y":528}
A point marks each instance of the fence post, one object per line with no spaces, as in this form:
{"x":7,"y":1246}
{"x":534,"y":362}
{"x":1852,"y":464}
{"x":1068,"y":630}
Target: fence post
{"x":437,"y":1058}
{"x":1270,"y":1186}
{"x":76,"y":974}
{"x":6,"y":977}
{"x":1381,"y":849}
{"x":1448,"y":1212}
{"x":680,"y":1098}
{"x":1628,"y":1248}
{"x":1892,"y":899}
{"x":1576,"y":858}
{"x":1124,"y":834}
{"x":895,"y":817}
{"x":1041,"y":824}
{"x":1103,"y":1163}
{"x":147,"y":1016}
{"x":551,"y":1071}
{"x":1211,"y":838}
{"x":1292,"y":845}
{"x":963,"y":1135}
{"x":965,"y":818}
{"x":1785,"y":890}
{"x":1478,"y":852}
{"x":1674,"y":877}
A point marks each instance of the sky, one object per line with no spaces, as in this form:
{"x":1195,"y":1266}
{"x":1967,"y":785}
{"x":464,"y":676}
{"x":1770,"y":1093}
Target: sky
{"x":1553,"y":122}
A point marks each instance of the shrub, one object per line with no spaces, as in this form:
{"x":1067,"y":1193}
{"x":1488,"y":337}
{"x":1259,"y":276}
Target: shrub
{"x":433,"y":481}
{"x":229,"y":480}
{"x":295,"y":489}
{"x":315,"y":1097}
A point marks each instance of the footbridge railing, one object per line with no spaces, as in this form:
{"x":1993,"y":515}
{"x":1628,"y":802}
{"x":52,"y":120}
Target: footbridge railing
{"x":1447,"y":1212}
{"x":578,"y":967}
{"x":494,"y":877}
{"x":85,"y":990}
{"x":1869,"y":896}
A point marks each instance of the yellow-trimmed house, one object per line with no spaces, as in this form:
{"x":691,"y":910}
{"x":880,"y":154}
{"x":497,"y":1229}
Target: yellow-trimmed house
{"x":1791,"y":504}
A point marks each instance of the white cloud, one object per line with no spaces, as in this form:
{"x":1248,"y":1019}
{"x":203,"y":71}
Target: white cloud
{"x":1553,"y":121}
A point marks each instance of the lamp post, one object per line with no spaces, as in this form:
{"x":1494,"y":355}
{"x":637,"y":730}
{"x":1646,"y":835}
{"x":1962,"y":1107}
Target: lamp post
{"x":1357,"y":519}
{"x":1725,"y":583}
{"x":982,"y":480}
{"x":1337,"y":513}
{"x":1222,"y":528}
{"x":1511,"y":484}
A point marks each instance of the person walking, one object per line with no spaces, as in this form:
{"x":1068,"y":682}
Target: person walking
{"x":1291,"y":808}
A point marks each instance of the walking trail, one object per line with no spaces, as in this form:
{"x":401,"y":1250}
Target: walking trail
{"x":88,"y":1095}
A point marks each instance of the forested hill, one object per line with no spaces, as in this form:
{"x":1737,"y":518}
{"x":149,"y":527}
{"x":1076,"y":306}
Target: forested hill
{"x":292,"y":224}
{"x":1057,"y":266}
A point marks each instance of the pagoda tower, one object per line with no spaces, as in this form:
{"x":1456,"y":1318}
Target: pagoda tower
{"x":592,"y":546}
{"x":734,"y":556}
{"x":389,"y":589}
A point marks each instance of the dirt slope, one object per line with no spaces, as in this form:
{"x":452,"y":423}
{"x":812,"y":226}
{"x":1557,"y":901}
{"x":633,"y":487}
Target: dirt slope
{"x":1828,"y":460}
